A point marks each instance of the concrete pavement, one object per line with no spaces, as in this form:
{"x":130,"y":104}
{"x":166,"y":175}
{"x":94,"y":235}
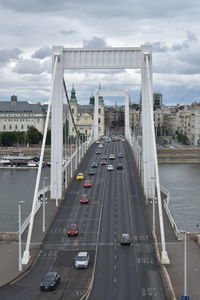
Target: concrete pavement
{"x":9,"y":262}
{"x":175,"y":250}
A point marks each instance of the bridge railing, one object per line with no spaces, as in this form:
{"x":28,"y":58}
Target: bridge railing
{"x":77,"y":155}
{"x":168,"y":212}
{"x":42,"y":191}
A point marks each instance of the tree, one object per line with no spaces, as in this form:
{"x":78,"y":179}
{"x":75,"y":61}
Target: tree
{"x":34,"y":136}
{"x":8,"y":138}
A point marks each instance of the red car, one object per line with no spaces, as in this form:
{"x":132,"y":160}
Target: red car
{"x":84,"y":199}
{"x":87,"y":184}
{"x":72,"y":230}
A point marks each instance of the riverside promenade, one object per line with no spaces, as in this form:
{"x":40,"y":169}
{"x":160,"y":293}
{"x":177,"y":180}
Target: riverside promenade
{"x":174,"y":284}
{"x":9,"y":268}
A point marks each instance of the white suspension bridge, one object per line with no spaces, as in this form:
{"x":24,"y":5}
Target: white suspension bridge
{"x":143,"y":147}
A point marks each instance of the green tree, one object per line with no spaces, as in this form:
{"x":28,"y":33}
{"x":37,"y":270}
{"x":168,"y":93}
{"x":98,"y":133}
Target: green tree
{"x":48,"y":139}
{"x":34,"y":136}
{"x":8,"y":138}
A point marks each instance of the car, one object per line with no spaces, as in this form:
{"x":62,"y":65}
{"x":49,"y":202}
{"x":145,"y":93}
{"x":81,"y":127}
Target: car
{"x":119,"y":167}
{"x":125,"y":239}
{"x":98,"y":142}
{"x":103,"y":162}
{"x":72,"y":230}
{"x":50,"y":281}
{"x":82,"y":260}
{"x":120,"y":155}
{"x":87,"y":184}
{"x":84,"y":199}
{"x":103,"y":157}
{"x":80,"y":176}
{"x":94,"y":165}
{"x":112,"y":156}
{"x":91,"y":172}
{"x":110,"y":168}
{"x":100,"y":145}
{"x":98,"y":152}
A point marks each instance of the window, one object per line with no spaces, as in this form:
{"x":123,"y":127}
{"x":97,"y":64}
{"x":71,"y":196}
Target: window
{"x":22,"y":126}
{"x":16,"y":126}
{"x":10,"y":126}
{"x":99,"y":111}
{"x":4,"y":126}
{"x":72,"y":110}
{"x":99,"y":120}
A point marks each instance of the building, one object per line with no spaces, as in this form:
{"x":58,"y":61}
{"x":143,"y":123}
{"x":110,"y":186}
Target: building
{"x":19,"y":115}
{"x":83,"y":116}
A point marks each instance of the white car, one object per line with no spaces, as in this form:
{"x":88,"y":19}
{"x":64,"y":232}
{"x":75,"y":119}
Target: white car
{"x":111,"y":156}
{"x":110,"y":168}
{"x":82,"y":260}
{"x":100,"y":146}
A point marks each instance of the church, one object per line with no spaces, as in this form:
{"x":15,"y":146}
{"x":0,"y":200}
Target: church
{"x":83,"y":116}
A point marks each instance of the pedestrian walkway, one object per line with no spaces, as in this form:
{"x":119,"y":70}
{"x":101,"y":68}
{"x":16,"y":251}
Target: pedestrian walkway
{"x":9,"y":266}
{"x":175,"y":250}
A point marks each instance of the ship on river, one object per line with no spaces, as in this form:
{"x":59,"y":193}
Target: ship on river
{"x":18,"y":159}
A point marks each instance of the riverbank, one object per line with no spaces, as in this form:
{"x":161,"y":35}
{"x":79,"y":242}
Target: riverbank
{"x":178,"y":155}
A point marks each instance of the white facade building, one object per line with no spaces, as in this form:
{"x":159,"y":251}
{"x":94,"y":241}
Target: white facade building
{"x":19,"y":115}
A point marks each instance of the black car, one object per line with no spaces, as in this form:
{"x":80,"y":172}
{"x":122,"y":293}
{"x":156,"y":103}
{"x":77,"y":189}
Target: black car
{"x":91,"y":172}
{"x":50,"y":281}
{"x":94,"y":165}
{"x":119,"y":167}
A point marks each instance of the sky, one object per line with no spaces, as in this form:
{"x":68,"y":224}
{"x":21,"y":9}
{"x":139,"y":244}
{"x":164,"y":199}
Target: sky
{"x":29,"y":29}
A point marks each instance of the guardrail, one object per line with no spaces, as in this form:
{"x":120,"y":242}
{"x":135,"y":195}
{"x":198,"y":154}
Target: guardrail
{"x":168,"y":212}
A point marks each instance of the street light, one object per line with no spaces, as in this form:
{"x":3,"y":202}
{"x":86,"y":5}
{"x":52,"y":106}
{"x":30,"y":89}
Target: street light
{"x":19,"y":235}
{"x":185,"y":297}
{"x":43,"y":205}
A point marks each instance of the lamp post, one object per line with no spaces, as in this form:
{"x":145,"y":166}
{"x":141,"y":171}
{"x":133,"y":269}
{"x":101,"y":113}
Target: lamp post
{"x":43,"y":206}
{"x":185,"y":297}
{"x":19,"y":236}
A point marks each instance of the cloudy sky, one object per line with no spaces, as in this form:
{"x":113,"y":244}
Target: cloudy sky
{"x":29,"y":28}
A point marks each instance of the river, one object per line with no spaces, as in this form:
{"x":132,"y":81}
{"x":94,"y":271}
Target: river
{"x":182,"y":180}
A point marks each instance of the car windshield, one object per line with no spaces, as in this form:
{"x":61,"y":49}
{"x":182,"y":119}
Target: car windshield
{"x":48,"y":277}
{"x":81,"y":258}
{"x":72,"y":227}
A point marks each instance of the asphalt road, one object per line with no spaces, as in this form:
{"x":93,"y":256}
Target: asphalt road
{"x":115,"y":272}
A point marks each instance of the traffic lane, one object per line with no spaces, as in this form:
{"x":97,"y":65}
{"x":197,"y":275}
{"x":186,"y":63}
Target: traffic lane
{"x":127,"y":286}
{"x":126,"y":267}
{"x":29,"y":285}
{"x":109,"y":209}
{"x":104,"y":281}
{"x":148,"y":270}
{"x":104,"y":285}
{"x":26,"y":292}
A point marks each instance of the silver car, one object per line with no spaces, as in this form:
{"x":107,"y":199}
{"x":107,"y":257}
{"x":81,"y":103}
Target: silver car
{"x":82,"y":260}
{"x":110,"y":168}
{"x":125,"y":239}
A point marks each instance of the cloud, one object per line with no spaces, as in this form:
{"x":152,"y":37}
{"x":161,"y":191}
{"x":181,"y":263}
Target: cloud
{"x":7,"y":55}
{"x":28,"y":66}
{"x":191,"y":37}
{"x":42,"y":53}
{"x":95,"y":42}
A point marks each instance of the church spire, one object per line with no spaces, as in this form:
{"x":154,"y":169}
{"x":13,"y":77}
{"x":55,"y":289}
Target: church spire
{"x":73,"y":95}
